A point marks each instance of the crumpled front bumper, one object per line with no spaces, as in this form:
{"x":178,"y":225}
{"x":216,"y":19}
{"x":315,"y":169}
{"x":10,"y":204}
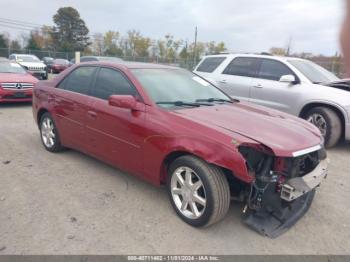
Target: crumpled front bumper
{"x":281,"y":211}
{"x":298,"y":186}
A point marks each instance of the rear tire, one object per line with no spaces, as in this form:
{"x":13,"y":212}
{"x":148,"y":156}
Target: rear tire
{"x":49,"y":134}
{"x":202,"y":186}
{"x":328,"y":122}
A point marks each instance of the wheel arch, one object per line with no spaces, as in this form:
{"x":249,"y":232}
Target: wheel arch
{"x":172,"y":156}
{"x":340,"y":113}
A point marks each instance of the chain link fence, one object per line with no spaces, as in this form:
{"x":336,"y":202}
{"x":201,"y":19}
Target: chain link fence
{"x":333,"y":64}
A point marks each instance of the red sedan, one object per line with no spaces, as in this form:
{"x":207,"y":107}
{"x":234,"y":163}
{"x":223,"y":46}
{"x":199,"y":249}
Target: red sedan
{"x":169,"y":126}
{"x":16,"y":85}
{"x":57,"y":65}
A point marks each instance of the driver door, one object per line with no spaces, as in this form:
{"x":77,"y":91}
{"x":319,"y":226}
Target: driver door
{"x":115,"y":134}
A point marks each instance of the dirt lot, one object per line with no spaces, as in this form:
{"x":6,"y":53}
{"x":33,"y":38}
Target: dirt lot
{"x":69,"y":203}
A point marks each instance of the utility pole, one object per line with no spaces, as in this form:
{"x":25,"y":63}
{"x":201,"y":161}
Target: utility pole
{"x":289,"y":46}
{"x":195,"y":48}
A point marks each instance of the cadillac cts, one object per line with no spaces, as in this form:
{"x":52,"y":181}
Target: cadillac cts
{"x":169,"y":126}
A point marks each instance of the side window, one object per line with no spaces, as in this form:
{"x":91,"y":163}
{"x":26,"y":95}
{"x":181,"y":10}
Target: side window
{"x":242,"y":66}
{"x":210,"y":64}
{"x":12,"y":57}
{"x":111,"y":82}
{"x":79,"y":80}
{"x":273,"y":70}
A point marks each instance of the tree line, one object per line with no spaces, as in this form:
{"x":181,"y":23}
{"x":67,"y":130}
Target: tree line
{"x":70,"y":33}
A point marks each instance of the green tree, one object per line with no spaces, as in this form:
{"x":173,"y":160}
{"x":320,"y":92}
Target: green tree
{"x":33,"y":41}
{"x":136,"y":45}
{"x":111,"y":45}
{"x":70,"y":32}
{"x":15,"y":45}
{"x":4,"y":41}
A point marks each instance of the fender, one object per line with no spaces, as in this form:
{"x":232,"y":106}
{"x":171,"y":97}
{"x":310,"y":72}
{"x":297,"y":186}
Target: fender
{"x":326,"y":102}
{"x":159,"y":147}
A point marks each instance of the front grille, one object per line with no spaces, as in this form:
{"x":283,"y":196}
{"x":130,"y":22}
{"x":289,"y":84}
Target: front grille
{"x":17,"y":85}
{"x":17,"y":96}
{"x":302,"y":165}
{"x":36,"y":68}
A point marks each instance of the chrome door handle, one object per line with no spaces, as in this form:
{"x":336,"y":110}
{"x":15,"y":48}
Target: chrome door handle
{"x":258,"y":86}
{"x":223,"y":81}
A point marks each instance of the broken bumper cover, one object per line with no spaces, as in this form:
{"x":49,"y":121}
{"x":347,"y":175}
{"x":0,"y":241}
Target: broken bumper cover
{"x":281,"y":212}
{"x":298,"y":186}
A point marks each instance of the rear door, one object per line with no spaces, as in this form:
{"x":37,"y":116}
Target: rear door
{"x":267,"y":90}
{"x":70,"y":100}
{"x":236,"y":79}
{"x":115,"y":134}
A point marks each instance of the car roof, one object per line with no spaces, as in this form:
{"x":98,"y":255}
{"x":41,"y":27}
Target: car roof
{"x":280,"y":58}
{"x":24,"y":55}
{"x":130,"y":65}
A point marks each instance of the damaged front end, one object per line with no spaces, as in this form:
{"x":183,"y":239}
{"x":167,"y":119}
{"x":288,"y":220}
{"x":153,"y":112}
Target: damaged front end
{"x":283,"y":189}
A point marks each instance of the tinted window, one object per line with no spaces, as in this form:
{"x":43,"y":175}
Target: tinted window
{"x":242,"y":66}
{"x":273,"y":70}
{"x":79,"y":80}
{"x":210,"y":64}
{"x":111,"y":82}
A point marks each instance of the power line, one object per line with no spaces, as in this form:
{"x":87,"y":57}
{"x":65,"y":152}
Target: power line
{"x":15,"y":27}
{"x":20,"y":22}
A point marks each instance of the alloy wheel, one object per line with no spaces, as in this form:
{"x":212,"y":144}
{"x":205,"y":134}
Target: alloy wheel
{"x":188,"y":192}
{"x":320,"y":122}
{"x":48,"y":132}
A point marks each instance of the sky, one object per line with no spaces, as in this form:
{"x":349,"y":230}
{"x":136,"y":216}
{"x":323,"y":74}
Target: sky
{"x":244,"y":25}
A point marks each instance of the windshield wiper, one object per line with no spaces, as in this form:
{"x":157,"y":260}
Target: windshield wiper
{"x":182,"y":103}
{"x":210,"y":100}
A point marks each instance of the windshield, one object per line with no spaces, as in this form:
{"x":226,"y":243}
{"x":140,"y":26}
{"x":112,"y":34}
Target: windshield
{"x":9,"y":67}
{"x":315,"y":73}
{"x":174,"y":85}
{"x":23,"y":58}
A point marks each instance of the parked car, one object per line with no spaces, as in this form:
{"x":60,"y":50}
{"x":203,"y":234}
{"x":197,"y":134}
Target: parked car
{"x":169,"y":126}
{"x":16,"y":84}
{"x":32,"y":64}
{"x":57,"y":66}
{"x":47,"y":60}
{"x":293,"y":85}
{"x":72,"y":62}
{"x":100,"y":58}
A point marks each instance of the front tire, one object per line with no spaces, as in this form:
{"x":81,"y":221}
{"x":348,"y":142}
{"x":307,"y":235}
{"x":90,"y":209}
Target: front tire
{"x":328,"y":122}
{"x":49,"y":133}
{"x":199,"y":192}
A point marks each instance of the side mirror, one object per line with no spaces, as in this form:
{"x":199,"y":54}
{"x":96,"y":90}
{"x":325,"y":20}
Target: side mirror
{"x":288,"y":79}
{"x":123,"y":101}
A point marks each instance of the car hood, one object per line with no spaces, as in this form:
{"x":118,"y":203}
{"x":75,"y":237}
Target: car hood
{"x":284,"y":134}
{"x":17,"y":78}
{"x":343,"y":84}
{"x":32,"y":64}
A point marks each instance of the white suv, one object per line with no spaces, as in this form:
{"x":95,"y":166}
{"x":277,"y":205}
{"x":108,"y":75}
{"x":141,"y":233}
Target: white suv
{"x":31,"y":64}
{"x":293,"y":85}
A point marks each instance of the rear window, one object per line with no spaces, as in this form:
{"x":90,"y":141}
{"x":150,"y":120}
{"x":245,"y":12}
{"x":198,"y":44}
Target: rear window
{"x":210,"y":64}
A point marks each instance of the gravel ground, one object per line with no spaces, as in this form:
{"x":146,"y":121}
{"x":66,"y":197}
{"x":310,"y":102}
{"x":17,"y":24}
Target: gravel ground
{"x":69,"y":203}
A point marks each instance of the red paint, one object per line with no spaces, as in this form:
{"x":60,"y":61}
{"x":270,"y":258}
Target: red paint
{"x":139,"y":136}
{"x":9,"y":95}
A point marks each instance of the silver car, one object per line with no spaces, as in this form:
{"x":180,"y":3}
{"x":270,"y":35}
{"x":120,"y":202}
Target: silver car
{"x":293,"y":85}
